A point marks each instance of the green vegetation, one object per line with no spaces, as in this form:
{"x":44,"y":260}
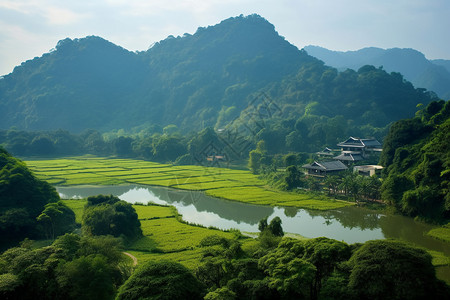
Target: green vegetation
{"x":141,"y":104}
{"x":224,"y":183}
{"x":396,"y":270}
{"x":23,"y":197}
{"x":442,"y":233}
{"x":417,"y":159}
{"x":108,"y":215}
{"x":73,"y":267}
{"x":162,"y":279}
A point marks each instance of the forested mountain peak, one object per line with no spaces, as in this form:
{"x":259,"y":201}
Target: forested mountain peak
{"x":192,"y":81}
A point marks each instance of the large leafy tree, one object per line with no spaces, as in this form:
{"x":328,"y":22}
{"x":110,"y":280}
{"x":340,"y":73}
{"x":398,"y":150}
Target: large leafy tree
{"x":108,"y":215}
{"x":387,"y":269}
{"x":56,"y":219}
{"x":161,"y":280}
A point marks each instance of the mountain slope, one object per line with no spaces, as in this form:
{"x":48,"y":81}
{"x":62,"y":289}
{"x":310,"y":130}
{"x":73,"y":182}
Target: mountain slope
{"x":191,"y":81}
{"x":412,"y":64}
{"x":416,"y":157}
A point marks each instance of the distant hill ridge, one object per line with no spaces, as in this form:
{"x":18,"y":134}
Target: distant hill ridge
{"x":434,"y":75}
{"x":193,"y":81}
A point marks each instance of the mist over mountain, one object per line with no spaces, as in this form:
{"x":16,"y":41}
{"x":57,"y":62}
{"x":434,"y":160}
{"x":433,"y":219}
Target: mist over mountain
{"x":194,"y":81}
{"x":434,"y":75}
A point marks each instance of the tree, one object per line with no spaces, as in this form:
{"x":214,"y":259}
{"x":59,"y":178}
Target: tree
{"x":161,"y":280}
{"x":387,"y":269}
{"x":254,"y":161}
{"x":287,"y":272}
{"x":223,"y":293}
{"x":87,"y":277}
{"x":168,"y":148}
{"x":293,"y":178}
{"x":109,"y":215}
{"x":122,"y":146}
{"x":56,"y":218}
{"x":325,"y":254}
{"x":275,"y":227}
{"x":332,"y":183}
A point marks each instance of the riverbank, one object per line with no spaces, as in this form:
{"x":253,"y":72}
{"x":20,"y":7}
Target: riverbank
{"x":230,"y":184}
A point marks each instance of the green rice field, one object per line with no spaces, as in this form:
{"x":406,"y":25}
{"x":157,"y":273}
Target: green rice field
{"x":237,"y":185}
{"x":164,"y":236}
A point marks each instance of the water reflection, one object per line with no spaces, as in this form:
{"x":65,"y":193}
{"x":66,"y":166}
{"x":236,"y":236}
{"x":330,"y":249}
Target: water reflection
{"x":350,"y":224}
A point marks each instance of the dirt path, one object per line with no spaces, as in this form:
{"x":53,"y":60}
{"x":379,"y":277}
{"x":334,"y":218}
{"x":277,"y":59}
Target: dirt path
{"x":135,"y":261}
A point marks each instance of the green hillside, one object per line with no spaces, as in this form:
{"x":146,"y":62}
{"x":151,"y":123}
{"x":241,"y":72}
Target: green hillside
{"x":417,"y":156}
{"x":197,"y":80}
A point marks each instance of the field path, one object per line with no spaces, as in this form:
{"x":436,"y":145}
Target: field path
{"x":135,"y":261}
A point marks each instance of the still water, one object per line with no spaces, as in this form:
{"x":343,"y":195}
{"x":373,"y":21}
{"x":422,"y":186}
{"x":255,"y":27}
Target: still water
{"x":350,"y":224}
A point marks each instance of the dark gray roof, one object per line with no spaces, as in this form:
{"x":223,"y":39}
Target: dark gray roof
{"x":334,"y":165}
{"x":371,"y":143}
{"x":349,"y":157}
{"x":356,"y":142}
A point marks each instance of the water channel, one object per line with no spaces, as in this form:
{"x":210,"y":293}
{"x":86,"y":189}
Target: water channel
{"x":349,"y":224}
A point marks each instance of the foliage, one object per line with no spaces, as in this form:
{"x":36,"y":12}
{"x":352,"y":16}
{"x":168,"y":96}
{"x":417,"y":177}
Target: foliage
{"x":57,"y":219}
{"x":417,"y":160}
{"x":68,"y":269}
{"x":22,"y":199}
{"x":213,"y":78}
{"x":161,"y":280}
{"x":105,"y":215}
{"x":391,"y":269}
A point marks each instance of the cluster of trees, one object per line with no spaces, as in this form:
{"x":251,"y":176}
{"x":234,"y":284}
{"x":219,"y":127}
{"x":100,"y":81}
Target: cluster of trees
{"x":27,"y":204}
{"x":88,"y":266}
{"x":416,"y":157}
{"x":108,"y":215}
{"x":284,"y":268}
{"x":72,"y":267}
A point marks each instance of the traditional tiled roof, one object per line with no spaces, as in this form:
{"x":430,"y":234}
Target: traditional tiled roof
{"x":349,"y":157}
{"x":360,"y":143}
{"x":326,"y":166}
{"x":326,"y":151}
{"x":372,"y":143}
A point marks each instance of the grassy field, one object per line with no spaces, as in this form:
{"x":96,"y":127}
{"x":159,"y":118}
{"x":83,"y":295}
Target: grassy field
{"x":441,"y":233}
{"x":237,"y":185}
{"x":164,"y":236}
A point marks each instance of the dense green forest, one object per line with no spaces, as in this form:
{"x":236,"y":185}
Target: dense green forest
{"x":207,"y":79}
{"x":416,"y":155}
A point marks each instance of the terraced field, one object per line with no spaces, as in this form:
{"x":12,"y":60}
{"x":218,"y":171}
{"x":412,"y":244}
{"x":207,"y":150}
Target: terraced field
{"x":238,"y":185}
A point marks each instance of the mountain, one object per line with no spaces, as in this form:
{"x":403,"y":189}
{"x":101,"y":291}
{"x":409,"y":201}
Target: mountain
{"x":195,"y":80}
{"x":442,"y":62}
{"x":434,"y":75}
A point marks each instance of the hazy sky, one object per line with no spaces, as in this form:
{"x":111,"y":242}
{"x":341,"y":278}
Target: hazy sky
{"x":29,"y":28}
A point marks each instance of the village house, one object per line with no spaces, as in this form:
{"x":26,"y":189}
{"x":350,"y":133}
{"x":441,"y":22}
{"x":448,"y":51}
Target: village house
{"x":324,"y":168}
{"x":355,"y":149}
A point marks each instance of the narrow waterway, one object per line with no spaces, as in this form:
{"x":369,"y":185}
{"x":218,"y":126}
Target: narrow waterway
{"x":350,"y":224}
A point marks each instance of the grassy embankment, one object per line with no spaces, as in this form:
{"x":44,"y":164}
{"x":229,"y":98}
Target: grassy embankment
{"x":441,"y":233}
{"x":237,"y":185}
